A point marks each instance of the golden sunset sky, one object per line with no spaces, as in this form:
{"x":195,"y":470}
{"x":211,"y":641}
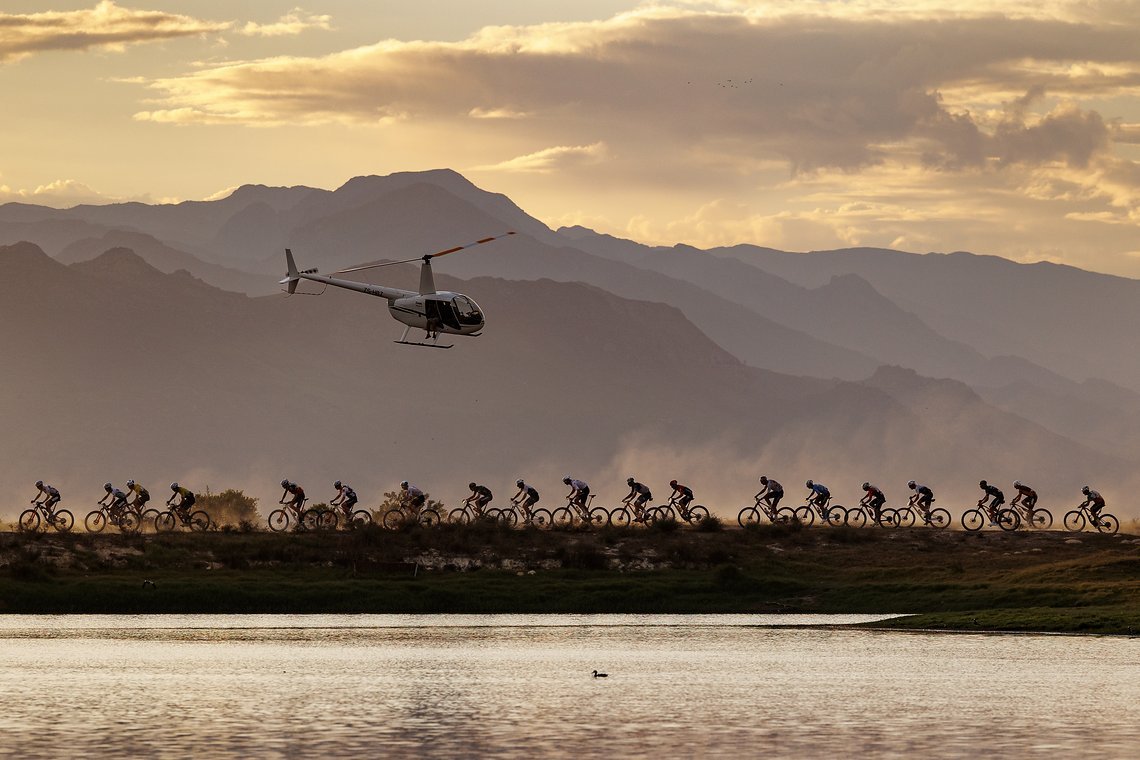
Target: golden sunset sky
{"x":1002,"y":128}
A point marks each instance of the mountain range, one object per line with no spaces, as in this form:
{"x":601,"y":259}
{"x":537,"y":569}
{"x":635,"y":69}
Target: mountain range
{"x":140,"y":339}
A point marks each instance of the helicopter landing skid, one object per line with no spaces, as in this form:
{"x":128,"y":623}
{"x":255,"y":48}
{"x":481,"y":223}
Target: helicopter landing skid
{"x":425,"y":345}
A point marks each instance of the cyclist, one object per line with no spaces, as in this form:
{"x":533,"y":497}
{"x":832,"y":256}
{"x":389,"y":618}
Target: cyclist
{"x":921,"y":498}
{"x":138,"y":496}
{"x":479,"y":499}
{"x":638,"y":496}
{"x":1026,"y":496}
{"x":997,"y":498}
{"x":579,"y":491}
{"x":185,"y":500}
{"x":874,"y":498}
{"x":345,"y":498}
{"x":526,"y":498}
{"x":682,"y":496}
{"x":1094,"y":501}
{"x":294,"y":496}
{"x":114,"y":500}
{"x":818,"y":494}
{"x":412,"y":496}
{"x":771,"y":493}
{"x":46,"y":496}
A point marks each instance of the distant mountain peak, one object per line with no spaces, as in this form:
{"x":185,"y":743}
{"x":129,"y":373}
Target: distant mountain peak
{"x":23,"y":258}
{"x":119,"y":262}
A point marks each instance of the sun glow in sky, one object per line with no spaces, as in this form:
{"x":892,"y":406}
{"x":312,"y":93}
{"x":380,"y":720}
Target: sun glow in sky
{"x":1003,"y":128}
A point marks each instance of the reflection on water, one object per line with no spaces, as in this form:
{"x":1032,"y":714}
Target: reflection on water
{"x":520,"y":686}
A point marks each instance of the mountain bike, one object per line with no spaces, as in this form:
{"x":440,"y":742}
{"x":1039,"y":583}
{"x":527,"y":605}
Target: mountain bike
{"x":1035,"y":517}
{"x":908,"y":516}
{"x":975,"y":519}
{"x":575,"y":513}
{"x":859,"y":516}
{"x":829,"y":515}
{"x":751,"y":515}
{"x":296,"y":517}
{"x":406,"y":514}
{"x":469,"y":513}
{"x":539,"y":518}
{"x":121,"y":517}
{"x":1076,"y":519}
{"x":197,"y":521}
{"x":31,"y":520}
{"x":693,"y":514}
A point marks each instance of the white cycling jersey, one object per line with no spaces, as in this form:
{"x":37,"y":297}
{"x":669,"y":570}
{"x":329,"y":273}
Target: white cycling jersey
{"x":413,"y":491}
{"x":579,"y":485}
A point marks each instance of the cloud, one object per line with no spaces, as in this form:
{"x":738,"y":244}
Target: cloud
{"x":550,"y":159}
{"x":291,"y":24}
{"x":63,"y":193}
{"x":106,"y":26}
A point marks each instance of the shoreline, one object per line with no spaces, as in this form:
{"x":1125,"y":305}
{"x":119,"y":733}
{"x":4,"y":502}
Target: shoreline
{"x":948,"y":581}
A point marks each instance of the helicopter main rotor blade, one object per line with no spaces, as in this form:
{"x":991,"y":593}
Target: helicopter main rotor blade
{"x":428,"y":257}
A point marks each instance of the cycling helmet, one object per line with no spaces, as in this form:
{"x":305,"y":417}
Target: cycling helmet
{"x":130,"y":483}
{"x":566,"y":480}
{"x":337,"y":485}
{"x":39,"y":484}
{"x":1085,"y":490}
{"x":519,"y":483}
{"x":404,"y":484}
{"x":810,"y":484}
{"x":911,"y":484}
{"x":174,"y":486}
{"x":764,"y":479}
{"x":866,"y":486}
{"x":107,"y":487}
{"x":1017,"y":484}
{"x":982,"y":484}
{"x":672,"y":484}
{"x":284,"y":483}
{"x":472,"y":485}
{"x":630,"y":481}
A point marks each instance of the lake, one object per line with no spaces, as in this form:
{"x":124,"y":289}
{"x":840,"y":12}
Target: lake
{"x":520,"y":686}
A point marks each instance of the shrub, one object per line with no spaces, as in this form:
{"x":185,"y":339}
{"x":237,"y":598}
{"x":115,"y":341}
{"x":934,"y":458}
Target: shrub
{"x":710,"y":524}
{"x":230,"y":507}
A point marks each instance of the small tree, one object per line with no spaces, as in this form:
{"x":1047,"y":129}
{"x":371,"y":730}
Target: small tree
{"x":230,"y":507}
{"x":393,"y":499}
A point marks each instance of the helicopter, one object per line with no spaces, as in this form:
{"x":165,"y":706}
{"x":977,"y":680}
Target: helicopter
{"x":433,"y":311}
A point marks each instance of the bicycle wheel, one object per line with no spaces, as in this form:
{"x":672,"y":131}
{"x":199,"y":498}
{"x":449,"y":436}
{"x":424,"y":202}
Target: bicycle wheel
{"x":939,"y":518}
{"x":62,"y":520}
{"x":360,"y":518}
{"x":165,"y":522}
{"x":459,"y":516}
{"x":785,"y":516}
{"x":29,"y":521}
{"x":835,"y":516}
{"x":620,"y":517}
{"x":541,"y":518}
{"x":199,"y":521}
{"x":805,"y":515}
{"x":1108,"y":523}
{"x":904,"y":518}
{"x":599,"y":516}
{"x":95,"y":521}
{"x":664,"y":513}
{"x":1040,"y":519}
{"x":129,"y":522}
{"x":278,"y":520}
{"x":1075,"y":521}
{"x":311,"y":519}
{"x":429,"y":518}
{"x":748,"y":516}
{"x":508,"y":518}
{"x":1008,"y":520}
{"x":855,"y":517}
{"x":698,"y":514}
{"x":973,"y":520}
{"x":562,"y":517}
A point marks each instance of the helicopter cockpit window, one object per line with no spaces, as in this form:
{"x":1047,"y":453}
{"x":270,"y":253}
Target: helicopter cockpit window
{"x":468,"y":312}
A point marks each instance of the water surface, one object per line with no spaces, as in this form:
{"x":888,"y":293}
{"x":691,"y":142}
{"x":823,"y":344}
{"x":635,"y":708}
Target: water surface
{"x":521,"y":686}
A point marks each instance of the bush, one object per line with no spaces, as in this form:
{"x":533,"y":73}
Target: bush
{"x":230,"y":507}
{"x":710,"y":524}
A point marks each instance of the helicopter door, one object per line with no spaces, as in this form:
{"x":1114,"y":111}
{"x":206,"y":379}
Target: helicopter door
{"x":441,"y":312}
